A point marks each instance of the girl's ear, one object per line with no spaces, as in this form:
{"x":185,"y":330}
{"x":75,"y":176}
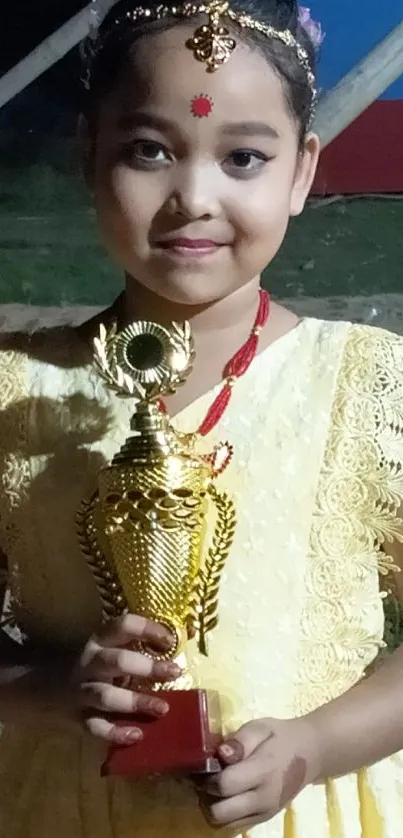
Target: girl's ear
{"x":305,"y":173}
{"x":87,"y":151}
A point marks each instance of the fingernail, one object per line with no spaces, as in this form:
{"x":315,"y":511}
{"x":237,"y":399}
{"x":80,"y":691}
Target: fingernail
{"x":127,"y":736}
{"x":166,"y":642}
{"x":206,"y":811}
{"x":227,"y":751}
{"x":159,"y":707}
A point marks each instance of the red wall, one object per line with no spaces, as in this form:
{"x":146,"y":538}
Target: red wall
{"x":368,"y":156}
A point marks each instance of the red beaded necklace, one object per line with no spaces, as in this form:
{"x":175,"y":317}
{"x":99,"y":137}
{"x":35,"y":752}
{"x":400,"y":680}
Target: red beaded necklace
{"x":236,"y":367}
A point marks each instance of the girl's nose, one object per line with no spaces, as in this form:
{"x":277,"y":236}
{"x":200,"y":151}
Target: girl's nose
{"x":196,"y":194}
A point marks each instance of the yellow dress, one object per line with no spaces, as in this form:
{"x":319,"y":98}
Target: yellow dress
{"x":316,"y":424}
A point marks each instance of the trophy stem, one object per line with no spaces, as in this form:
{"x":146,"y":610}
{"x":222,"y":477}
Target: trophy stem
{"x":153,"y":436}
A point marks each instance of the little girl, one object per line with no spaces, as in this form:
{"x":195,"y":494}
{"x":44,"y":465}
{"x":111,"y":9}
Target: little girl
{"x":198,"y":148}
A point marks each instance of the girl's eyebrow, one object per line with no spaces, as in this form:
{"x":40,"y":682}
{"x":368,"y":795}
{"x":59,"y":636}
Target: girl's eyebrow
{"x":142,"y":119}
{"x":250,"y":129}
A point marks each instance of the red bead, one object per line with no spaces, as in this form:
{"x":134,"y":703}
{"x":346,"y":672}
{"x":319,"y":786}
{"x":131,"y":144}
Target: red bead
{"x":240,"y":363}
{"x":216,"y":410}
{"x":235,"y":368}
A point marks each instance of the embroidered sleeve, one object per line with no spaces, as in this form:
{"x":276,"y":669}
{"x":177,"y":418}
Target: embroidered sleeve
{"x":3,"y":579}
{"x":375,"y":359}
{"x":13,"y":463}
{"x":13,"y":410}
{"x":388,"y":409}
{"x":374,"y":371}
{"x":360,"y":490}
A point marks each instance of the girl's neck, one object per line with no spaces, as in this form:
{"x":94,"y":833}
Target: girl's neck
{"x":219,"y":330}
{"x":235,"y":313}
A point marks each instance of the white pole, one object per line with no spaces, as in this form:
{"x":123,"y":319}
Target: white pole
{"x":51,"y":50}
{"x":360,"y":87}
{"x":45,"y":55}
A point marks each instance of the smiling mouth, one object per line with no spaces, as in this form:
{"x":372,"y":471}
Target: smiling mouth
{"x":190,"y":244}
{"x":189,"y":247}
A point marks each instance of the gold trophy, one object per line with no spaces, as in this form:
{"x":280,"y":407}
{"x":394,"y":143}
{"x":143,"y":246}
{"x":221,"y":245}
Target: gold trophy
{"x":142,"y":533}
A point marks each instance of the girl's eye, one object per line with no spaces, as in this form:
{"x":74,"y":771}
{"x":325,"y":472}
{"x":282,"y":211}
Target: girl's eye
{"x":245,"y":161}
{"x":146,"y":152}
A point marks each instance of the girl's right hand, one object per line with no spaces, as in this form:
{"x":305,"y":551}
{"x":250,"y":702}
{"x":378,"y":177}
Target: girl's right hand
{"x":106,"y":659}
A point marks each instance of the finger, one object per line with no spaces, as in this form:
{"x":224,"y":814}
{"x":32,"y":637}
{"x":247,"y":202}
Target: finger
{"x":249,"y":822}
{"x":131,"y":627}
{"x":248,"y":738}
{"x":111,"y":733}
{"x":234,"y":809}
{"x":110,"y":699}
{"x":231,"y":752}
{"x":237,"y":779}
{"x":111,"y":663}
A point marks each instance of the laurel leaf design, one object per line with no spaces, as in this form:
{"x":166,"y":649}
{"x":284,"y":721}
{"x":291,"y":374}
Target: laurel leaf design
{"x":106,"y":366}
{"x":204,"y":607}
{"x":107,"y":580}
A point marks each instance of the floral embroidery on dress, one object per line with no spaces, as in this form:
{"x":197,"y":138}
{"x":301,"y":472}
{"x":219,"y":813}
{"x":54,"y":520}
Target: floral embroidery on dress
{"x":359,"y":492}
{"x":14,"y":465}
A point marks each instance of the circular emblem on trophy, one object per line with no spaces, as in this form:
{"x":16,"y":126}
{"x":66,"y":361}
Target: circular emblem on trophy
{"x":145,"y":359}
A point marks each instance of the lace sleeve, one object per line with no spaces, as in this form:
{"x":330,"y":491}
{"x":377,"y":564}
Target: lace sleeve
{"x":13,"y":415}
{"x":360,"y":490}
{"x":383,"y":360}
{"x":3,"y":579}
{"x":377,"y":358}
{"x":13,"y":462}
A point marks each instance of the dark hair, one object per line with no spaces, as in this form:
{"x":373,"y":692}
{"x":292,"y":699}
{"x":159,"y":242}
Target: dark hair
{"x":117,"y":43}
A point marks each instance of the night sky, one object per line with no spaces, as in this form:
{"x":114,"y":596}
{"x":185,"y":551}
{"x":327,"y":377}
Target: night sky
{"x":55,"y":96}
{"x":25,"y":23}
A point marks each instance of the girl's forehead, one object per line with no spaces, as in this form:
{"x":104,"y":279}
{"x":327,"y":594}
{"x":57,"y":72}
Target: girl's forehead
{"x":162,"y":72}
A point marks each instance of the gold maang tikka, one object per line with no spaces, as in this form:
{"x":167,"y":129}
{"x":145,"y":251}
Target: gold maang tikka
{"x":212,"y":43}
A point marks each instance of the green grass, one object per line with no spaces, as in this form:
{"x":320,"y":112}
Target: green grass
{"x":349,"y":248}
{"x":50,"y":252}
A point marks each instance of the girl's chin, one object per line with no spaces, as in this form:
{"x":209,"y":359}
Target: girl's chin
{"x":186,"y":288}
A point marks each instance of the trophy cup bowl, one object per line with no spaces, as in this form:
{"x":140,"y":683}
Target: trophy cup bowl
{"x":142,"y":533}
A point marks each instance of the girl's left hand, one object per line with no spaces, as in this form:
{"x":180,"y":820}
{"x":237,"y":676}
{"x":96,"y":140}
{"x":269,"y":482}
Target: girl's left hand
{"x":265,"y":765}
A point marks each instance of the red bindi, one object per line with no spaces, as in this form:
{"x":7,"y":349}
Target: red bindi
{"x":202,"y":106}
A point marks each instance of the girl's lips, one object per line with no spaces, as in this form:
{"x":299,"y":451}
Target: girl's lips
{"x":189,"y":244}
{"x":189,"y":247}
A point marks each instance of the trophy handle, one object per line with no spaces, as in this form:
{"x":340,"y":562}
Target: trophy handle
{"x":106,"y":578}
{"x":204,"y":605}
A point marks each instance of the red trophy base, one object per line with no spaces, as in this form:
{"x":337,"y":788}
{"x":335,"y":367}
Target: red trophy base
{"x":184,"y":741}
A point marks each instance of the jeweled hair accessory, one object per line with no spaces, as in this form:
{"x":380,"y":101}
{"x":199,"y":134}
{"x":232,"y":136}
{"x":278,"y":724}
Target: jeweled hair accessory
{"x":212,"y":43}
{"x":312,"y":27}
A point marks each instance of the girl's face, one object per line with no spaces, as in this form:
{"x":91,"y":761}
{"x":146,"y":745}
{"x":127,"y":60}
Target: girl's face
{"x":195,"y":174}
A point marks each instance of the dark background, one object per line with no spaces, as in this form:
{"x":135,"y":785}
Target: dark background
{"x":27,"y":22}
{"x":51,"y":102}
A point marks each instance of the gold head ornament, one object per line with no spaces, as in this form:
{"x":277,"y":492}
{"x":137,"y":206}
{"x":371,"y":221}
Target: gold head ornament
{"x":212,"y":42}
{"x":143,"y":529}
